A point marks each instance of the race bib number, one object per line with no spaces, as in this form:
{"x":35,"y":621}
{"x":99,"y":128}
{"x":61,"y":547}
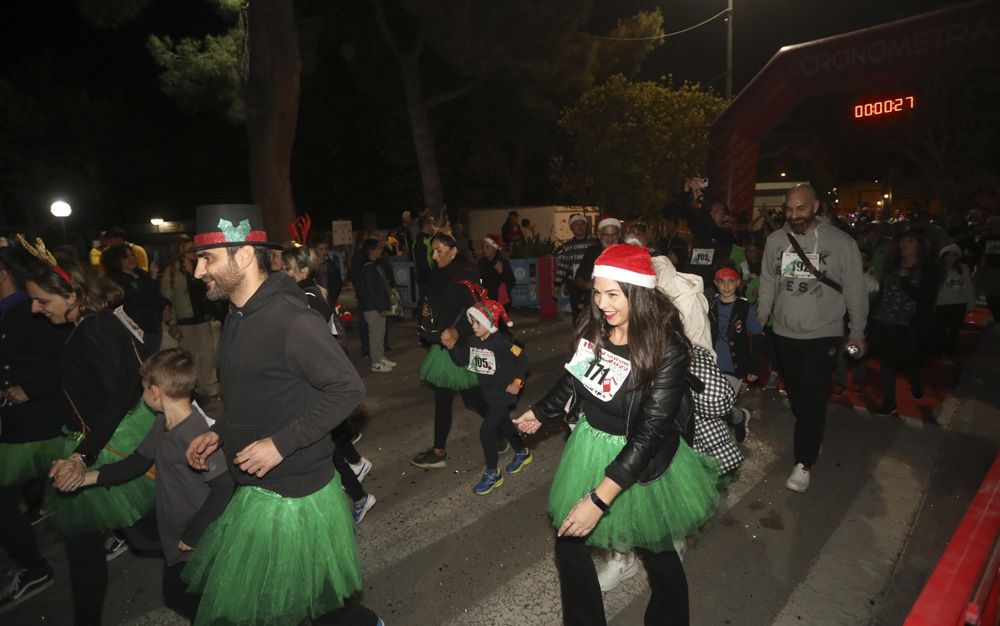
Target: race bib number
{"x":602,"y":378}
{"x":482,"y":361}
{"x":992,"y":247}
{"x":702,"y":256}
{"x":793,"y":267}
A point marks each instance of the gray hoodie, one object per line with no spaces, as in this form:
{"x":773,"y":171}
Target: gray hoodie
{"x":800,"y":306}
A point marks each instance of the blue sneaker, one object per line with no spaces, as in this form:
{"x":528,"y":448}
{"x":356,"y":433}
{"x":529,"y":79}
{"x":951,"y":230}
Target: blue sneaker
{"x":489,"y":482}
{"x":521,"y":459}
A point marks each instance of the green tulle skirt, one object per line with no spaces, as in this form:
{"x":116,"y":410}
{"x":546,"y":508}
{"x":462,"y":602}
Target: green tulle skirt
{"x":439,"y":370}
{"x":20,"y":462}
{"x":271,"y":560}
{"x":106,"y":508}
{"x":649,"y":516}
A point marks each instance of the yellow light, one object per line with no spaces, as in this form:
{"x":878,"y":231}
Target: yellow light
{"x":783,"y":174}
{"x":886,"y":196}
{"x":156,"y":221}
{"x":879,"y":203}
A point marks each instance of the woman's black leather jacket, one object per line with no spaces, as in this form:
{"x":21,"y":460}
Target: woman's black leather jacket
{"x":658,"y":416}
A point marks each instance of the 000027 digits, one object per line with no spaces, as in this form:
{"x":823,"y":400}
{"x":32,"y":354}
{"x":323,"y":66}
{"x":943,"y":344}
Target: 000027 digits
{"x":882,"y":107}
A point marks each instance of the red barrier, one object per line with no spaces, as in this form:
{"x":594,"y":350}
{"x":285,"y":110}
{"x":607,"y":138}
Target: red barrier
{"x":547,"y":305}
{"x":963,"y":585}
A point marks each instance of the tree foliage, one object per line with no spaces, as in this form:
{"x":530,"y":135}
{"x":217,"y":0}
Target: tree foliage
{"x":632,"y":143}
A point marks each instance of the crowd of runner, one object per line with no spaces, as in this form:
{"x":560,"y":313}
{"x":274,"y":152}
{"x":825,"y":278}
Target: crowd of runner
{"x":104,"y":361}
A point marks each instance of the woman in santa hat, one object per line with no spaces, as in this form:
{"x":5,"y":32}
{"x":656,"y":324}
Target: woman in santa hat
{"x":628,"y":479}
{"x":495,"y":271}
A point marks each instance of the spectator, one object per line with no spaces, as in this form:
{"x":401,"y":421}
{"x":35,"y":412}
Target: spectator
{"x":527,"y":230}
{"x":568,"y":262}
{"x":956,"y":297}
{"x":142,"y":300}
{"x":511,"y":231}
{"x":189,"y":316}
{"x":609,"y":231}
{"x":326,"y":270}
{"x":117,"y":236}
{"x":422,"y":252}
{"x":495,"y":271}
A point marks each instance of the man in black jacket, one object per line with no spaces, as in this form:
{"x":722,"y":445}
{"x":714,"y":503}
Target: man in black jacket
{"x":286,"y":384}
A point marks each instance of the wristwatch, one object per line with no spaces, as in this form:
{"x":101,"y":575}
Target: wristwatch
{"x":601,"y":504}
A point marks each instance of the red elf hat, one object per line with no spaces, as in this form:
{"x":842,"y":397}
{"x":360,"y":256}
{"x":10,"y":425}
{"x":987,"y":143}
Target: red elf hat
{"x":488,"y":313}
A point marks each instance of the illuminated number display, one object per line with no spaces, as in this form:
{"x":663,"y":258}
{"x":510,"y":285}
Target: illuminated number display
{"x":885,"y":107}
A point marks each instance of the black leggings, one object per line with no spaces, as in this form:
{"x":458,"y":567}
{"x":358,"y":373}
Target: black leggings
{"x":344,"y":453}
{"x":898,"y":353}
{"x":497,"y":418}
{"x":950,"y":318}
{"x":443,"y":401}
{"x":16,"y":535}
{"x":583,"y":604}
{"x":88,"y":574}
{"x":176,"y":597}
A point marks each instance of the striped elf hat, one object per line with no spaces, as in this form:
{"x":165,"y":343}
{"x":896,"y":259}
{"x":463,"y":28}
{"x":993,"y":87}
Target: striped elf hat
{"x":488,"y":313}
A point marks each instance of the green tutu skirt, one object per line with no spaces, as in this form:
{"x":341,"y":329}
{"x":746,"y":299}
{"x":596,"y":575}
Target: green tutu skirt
{"x":271,"y":560}
{"x":20,"y":462}
{"x":107,"y":508}
{"x":439,"y":370}
{"x":648,"y":516}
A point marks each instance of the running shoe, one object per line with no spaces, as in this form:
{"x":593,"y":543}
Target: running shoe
{"x":887,"y":409}
{"x":114,"y":547}
{"x":361,"y":468}
{"x":385,"y":361}
{"x":23,"y":584}
{"x":429,"y":459}
{"x":489,"y":482}
{"x":740,"y":429}
{"x":798,"y":480}
{"x":617,"y":568}
{"x":521,"y":459}
{"x":362,"y":506}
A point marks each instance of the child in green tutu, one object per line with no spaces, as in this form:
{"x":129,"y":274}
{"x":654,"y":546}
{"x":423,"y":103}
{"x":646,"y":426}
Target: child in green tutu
{"x":187,"y":501}
{"x":628,"y":479}
{"x":500,"y":365}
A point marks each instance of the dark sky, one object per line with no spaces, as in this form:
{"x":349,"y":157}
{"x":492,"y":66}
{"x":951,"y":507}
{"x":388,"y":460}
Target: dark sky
{"x":146,"y":158}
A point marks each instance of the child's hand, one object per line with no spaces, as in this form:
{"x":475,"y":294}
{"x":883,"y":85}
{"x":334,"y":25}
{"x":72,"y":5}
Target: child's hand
{"x":183,"y":547}
{"x":513,"y":389}
{"x":449,"y":337}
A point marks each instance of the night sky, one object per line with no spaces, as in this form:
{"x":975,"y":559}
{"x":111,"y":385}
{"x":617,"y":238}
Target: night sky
{"x":83,"y":117}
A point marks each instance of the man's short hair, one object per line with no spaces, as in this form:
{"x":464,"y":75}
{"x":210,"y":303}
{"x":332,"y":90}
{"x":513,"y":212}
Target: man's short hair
{"x":806,"y":187}
{"x":260,"y":254}
{"x":368,"y":245}
{"x":173,"y":371}
{"x":116,"y":232}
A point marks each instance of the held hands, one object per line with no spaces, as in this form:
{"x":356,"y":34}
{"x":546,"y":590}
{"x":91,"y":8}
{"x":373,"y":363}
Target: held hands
{"x":258,"y":458}
{"x":513,"y":389}
{"x":449,"y":337}
{"x":528,"y":423}
{"x":201,"y":448}
{"x":14,"y":395}
{"x":581,"y":519}
{"x":68,"y":474}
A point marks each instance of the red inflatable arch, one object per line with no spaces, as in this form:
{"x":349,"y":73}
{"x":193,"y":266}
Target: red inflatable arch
{"x":963,"y":36}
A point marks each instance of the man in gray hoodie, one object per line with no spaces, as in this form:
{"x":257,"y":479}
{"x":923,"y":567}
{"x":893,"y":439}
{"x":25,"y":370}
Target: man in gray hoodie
{"x":807,"y":299}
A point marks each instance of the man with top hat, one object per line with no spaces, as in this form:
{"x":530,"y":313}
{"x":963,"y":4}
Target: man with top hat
{"x":609,"y":233}
{"x":568,"y":261}
{"x":284,"y":550}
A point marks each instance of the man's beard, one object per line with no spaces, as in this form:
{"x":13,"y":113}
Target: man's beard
{"x":224,"y":284}
{"x":800,"y":225}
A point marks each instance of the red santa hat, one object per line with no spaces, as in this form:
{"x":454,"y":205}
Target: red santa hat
{"x":488,"y":313}
{"x":626,"y":264}
{"x":607,"y":220}
{"x":577,"y":217}
{"x":493,"y":241}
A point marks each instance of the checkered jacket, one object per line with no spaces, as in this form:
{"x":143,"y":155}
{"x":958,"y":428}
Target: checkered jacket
{"x":711,"y":406}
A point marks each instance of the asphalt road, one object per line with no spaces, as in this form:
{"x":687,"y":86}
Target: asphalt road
{"x":855,"y":549}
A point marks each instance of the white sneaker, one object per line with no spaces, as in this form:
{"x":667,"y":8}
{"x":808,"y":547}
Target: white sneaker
{"x":385,"y":361}
{"x":378,"y":366}
{"x":799,"y":478}
{"x":617,"y":568}
{"x":361,"y":468}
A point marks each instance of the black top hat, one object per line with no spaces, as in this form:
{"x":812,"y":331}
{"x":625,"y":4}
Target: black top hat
{"x":222,"y":225}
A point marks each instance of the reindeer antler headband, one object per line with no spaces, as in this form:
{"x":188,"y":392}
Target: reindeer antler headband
{"x":40,"y":252}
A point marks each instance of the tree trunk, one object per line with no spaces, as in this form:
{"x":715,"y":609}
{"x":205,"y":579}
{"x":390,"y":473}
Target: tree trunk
{"x":423,"y":138}
{"x":272,"y":101}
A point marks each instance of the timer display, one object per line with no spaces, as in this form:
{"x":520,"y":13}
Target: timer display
{"x":884,"y":107}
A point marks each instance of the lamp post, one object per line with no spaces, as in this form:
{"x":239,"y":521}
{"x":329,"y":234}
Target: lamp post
{"x":62,"y":210}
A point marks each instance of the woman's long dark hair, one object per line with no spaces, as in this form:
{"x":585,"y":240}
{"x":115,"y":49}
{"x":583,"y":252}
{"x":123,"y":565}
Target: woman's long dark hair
{"x":93,"y":293}
{"x":923,"y":249}
{"x":654,"y":323}
{"x":461,"y":259}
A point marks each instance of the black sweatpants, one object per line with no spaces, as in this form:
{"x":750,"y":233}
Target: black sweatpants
{"x":443,"y":401}
{"x":898,"y":352}
{"x":807,"y":365}
{"x":176,"y":597}
{"x":88,"y":575}
{"x":497,"y":418}
{"x":16,"y":536}
{"x":950,"y":318}
{"x":583,"y":603}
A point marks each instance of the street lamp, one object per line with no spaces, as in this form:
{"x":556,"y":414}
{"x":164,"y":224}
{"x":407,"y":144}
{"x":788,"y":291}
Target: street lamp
{"x":62,"y":210}
{"x":157,"y":221}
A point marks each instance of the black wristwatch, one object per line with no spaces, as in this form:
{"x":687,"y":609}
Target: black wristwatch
{"x":601,"y":504}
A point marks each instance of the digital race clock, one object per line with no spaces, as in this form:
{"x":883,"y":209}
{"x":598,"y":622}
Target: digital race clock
{"x":884,"y":107}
